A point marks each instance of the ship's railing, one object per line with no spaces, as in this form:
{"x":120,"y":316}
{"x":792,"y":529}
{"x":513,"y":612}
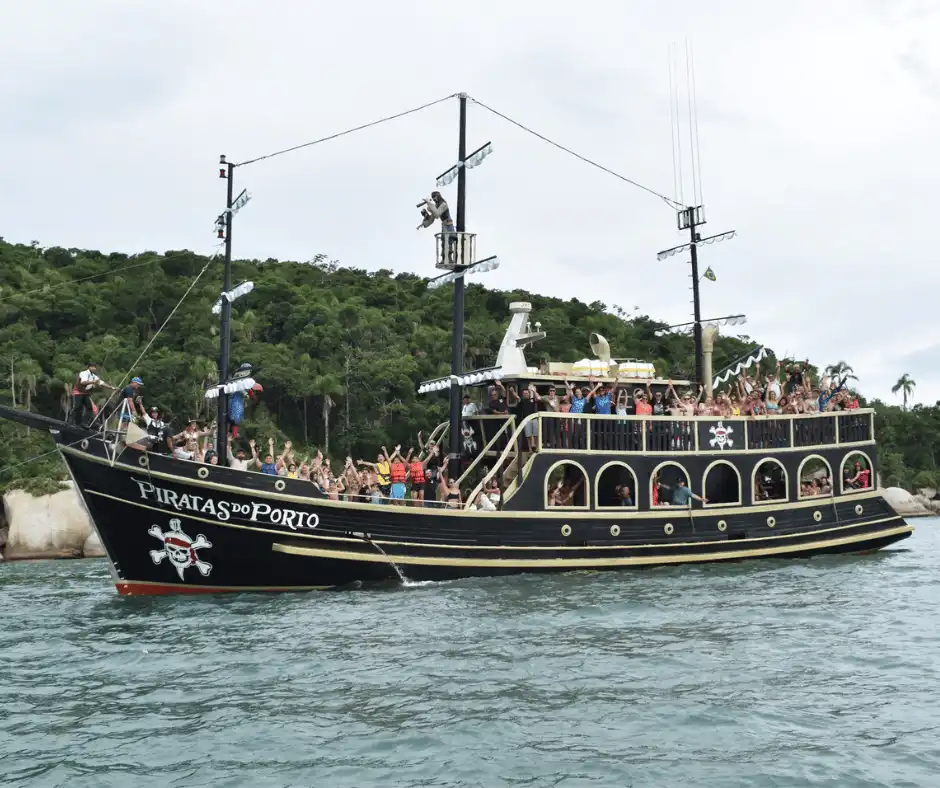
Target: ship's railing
{"x":515,"y":441}
{"x":490,"y":445}
{"x":440,"y":432}
{"x":564,"y":432}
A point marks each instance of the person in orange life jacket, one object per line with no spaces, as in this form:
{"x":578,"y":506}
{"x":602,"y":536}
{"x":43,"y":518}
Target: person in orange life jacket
{"x":86,"y":382}
{"x":397,"y":469}
{"x":417,"y":476}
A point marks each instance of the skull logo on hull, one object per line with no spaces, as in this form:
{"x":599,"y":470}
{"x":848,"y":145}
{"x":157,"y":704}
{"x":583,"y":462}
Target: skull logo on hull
{"x":180,"y":549}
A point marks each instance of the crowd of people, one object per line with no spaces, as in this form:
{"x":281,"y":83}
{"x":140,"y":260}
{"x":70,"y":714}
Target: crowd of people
{"x":782,"y":390}
{"x":420,"y":478}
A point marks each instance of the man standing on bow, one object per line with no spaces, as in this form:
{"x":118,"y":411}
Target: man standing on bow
{"x":86,"y":382}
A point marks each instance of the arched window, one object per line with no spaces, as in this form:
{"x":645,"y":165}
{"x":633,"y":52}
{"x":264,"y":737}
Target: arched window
{"x":770,"y":482}
{"x":615,"y":486}
{"x":663,"y":481}
{"x":814,"y":477}
{"x":856,"y":472}
{"x":566,"y":486}
{"x":722,"y":484}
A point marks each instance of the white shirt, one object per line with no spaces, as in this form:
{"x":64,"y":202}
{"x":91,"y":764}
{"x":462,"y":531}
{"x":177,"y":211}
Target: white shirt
{"x":85,"y":377}
{"x":486,"y":505}
{"x":470,"y":409}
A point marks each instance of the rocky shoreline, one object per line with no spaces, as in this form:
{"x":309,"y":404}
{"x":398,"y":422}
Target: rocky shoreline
{"x":46,"y":526}
{"x":57,"y":526}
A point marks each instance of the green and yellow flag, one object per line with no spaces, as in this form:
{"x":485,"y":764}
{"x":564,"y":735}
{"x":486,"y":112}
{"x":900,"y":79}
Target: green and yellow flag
{"x":710,"y":275}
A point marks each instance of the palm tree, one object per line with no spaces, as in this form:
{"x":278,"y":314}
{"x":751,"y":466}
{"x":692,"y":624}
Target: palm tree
{"x":906,"y":386}
{"x":841,"y":371}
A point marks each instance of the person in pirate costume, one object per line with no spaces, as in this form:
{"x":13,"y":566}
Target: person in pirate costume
{"x":238,"y":400}
{"x":189,"y":438}
{"x":86,"y":382}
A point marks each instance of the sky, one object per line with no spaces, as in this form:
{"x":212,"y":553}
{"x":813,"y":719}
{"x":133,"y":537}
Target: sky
{"x":817,"y":142}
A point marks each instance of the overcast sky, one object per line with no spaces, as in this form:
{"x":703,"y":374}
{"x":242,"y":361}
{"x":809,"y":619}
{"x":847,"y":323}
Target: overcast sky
{"x":817,"y":125}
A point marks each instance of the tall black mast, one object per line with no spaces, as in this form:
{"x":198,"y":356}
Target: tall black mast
{"x":696,"y":305}
{"x":226,"y":171}
{"x":691,"y":218}
{"x":456,"y":347}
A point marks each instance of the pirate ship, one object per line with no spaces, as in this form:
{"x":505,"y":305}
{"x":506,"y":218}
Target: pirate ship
{"x":174,"y":526}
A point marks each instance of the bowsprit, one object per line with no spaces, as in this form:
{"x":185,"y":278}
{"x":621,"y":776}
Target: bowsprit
{"x":180,"y":548}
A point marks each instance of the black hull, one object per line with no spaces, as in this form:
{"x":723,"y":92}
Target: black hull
{"x":251,"y":532}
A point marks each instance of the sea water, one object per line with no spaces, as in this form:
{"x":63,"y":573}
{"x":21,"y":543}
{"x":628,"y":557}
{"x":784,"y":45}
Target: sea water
{"x":821,"y":672}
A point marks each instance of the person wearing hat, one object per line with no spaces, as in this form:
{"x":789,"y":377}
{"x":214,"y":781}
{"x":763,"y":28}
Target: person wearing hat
{"x":238,"y":400}
{"x":86,"y":382}
{"x":132,"y":398}
{"x":189,"y":440}
{"x":158,"y":432}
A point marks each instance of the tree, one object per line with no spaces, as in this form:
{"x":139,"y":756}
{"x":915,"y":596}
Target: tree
{"x":906,"y":386}
{"x":841,"y":371}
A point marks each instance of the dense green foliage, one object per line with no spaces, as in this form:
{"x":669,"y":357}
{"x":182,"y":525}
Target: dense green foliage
{"x":342,"y":350}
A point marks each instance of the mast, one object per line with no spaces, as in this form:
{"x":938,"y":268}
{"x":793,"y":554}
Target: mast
{"x":691,"y":218}
{"x":456,"y":347}
{"x":225,"y":343}
{"x":696,"y":305}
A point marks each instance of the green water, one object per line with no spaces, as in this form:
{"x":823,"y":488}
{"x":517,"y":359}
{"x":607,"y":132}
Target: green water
{"x":812,"y":673}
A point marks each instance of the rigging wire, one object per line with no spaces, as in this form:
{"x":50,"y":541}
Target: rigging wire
{"x":688,"y":92}
{"x":46,"y":287}
{"x":664,"y":198}
{"x":154,"y":337}
{"x":672,"y":129}
{"x":675,"y":99}
{"x":698,"y":152}
{"x":8,"y":468}
{"x":347,"y":131}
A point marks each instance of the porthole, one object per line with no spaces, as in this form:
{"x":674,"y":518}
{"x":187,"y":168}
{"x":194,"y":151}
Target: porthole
{"x":817,"y":515}
{"x":566,"y":530}
{"x":771,"y":521}
{"x":668,"y":529}
{"x":143,"y":461}
{"x":279,"y":485}
{"x":615,"y":530}
{"x":85,"y":443}
{"x":722,"y":525}
{"x":203,"y":473}
{"x":858,"y":508}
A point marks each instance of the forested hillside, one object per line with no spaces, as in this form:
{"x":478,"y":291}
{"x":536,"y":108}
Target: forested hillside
{"x":342,"y":349}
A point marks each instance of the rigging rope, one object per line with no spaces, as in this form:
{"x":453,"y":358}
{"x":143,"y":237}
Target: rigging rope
{"x":159,"y":330}
{"x":669,"y":201}
{"x":37,"y":457}
{"x":46,"y":287}
{"x":347,"y":131}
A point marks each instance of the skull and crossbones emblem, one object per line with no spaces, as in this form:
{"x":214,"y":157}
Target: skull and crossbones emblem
{"x":180,"y":548}
{"x":722,"y":436}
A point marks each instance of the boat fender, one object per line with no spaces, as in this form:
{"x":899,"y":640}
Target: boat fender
{"x":279,"y":485}
{"x":722,"y":525}
{"x":771,"y":522}
{"x":615,"y":530}
{"x":668,"y":529}
{"x":203,"y":473}
{"x":817,"y":515}
{"x":858,"y":508}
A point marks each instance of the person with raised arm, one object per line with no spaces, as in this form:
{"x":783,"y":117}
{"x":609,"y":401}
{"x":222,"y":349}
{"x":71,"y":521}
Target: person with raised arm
{"x":381,"y":469}
{"x":681,"y":494}
{"x":238,"y":461}
{"x":398,"y":475}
